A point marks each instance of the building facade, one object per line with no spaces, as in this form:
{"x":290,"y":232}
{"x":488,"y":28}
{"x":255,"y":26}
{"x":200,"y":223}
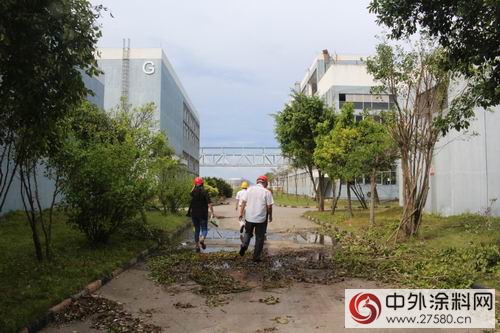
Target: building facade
{"x":465,"y":172}
{"x":143,"y":76}
{"x":339,"y":79}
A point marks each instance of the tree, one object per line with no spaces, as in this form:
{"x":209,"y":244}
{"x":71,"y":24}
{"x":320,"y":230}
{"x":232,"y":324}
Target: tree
{"x":174,"y":186}
{"x":418,"y":85}
{"x":336,"y":151}
{"x":296,"y":130}
{"x":107,"y":168}
{"x":378,"y":151}
{"x":223,"y":188}
{"x":44,"y":46}
{"x":469,"y":33}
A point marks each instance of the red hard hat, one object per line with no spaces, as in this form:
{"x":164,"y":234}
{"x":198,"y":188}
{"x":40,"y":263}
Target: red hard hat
{"x":262,"y":179}
{"x":198,"y":181}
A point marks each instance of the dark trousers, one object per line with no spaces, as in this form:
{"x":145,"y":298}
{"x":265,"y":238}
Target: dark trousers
{"x":200,"y":224}
{"x":260,"y":233}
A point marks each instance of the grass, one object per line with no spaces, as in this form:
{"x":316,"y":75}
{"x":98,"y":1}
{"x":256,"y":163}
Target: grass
{"x":29,"y":288}
{"x":473,"y":238}
{"x":303,"y":200}
{"x":293,"y":200}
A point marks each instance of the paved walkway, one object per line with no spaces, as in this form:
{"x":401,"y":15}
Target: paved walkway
{"x":303,"y":307}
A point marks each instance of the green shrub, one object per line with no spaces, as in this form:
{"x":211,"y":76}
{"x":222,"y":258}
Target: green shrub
{"x":224,"y":188}
{"x":105,"y":166}
{"x":212,"y":191}
{"x":173,"y":188}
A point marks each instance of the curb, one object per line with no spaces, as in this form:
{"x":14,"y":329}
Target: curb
{"x":39,"y":323}
{"x":293,"y":206}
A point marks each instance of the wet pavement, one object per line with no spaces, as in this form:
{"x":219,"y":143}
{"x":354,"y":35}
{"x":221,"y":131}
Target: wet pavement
{"x":293,"y":306}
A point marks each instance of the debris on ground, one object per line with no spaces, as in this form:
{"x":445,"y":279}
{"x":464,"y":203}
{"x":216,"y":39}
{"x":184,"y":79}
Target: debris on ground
{"x":213,"y":301}
{"x":269,"y":300}
{"x":267,"y":330}
{"x":283,"y":320}
{"x":214,"y":272}
{"x":181,"y":305}
{"x":105,"y":315}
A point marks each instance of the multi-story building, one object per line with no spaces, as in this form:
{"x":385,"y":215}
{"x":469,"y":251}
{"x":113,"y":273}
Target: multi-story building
{"x":465,"y":172}
{"x":338,"y":79}
{"x":141,"y":76}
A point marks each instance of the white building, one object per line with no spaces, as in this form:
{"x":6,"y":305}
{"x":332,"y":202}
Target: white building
{"x":465,"y":175}
{"x":339,"y":79}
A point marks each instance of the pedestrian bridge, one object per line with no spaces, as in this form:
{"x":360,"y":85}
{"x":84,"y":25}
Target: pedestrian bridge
{"x":256,"y":157}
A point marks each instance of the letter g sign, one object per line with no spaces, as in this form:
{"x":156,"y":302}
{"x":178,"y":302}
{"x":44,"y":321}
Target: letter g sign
{"x":148,"y":67}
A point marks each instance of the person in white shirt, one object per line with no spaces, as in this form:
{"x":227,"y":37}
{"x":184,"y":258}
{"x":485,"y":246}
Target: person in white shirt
{"x":256,"y":210}
{"x":244,"y":187}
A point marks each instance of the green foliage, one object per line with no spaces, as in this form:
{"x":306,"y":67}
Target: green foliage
{"x":44,"y":46}
{"x":418,"y":84}
{"x":107,"y":167}
{"x":336,"y":151}
{"x":467,"y":30}
{"x":224,"y":188}
{"x":29,"y":288}
{"x":376,"y":148}
{"x":297,"y":126}
{"x":174,"y":183}
{"x":213,"y":192}
{"x":445,"y":255}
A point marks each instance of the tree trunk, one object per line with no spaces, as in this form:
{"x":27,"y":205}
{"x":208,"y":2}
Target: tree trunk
{"x":36,"y":242}
{"x":349,"y":202}
{"x":372,"y":198}
{"x":29,"y":209}
{"x":375,"y":195}
{"x":336,"y":198}
{"x":321,"y":192}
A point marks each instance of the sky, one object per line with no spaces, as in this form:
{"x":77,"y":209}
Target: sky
{"x":239,"y":59}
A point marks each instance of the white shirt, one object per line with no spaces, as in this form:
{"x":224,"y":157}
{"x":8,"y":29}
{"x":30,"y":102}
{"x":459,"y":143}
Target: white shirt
{"x":257,"y":199}
{"x":239,"y":195}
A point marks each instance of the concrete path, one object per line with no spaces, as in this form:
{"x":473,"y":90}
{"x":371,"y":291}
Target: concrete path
{"x":302,"y":308}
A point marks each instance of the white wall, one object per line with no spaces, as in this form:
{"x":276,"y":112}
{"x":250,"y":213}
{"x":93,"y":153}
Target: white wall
{"x":345,"y":75}
{"x":467,"y":168}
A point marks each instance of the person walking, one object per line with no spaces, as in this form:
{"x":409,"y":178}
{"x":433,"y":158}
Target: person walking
{"x":257,"y":211}
{"x":198,"y":209}
{"x":244,"y":187}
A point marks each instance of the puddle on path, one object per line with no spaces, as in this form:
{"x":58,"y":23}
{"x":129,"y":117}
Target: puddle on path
{"x":227,"y":240}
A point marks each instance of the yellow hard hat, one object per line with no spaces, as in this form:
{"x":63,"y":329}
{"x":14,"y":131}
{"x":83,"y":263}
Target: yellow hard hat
{"x":244,"y":185}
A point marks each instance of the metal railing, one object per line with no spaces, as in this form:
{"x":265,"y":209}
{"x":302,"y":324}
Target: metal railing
{"x":242,"y":157}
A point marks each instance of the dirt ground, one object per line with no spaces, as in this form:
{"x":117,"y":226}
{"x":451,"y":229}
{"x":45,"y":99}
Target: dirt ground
{"x":298,"y":307}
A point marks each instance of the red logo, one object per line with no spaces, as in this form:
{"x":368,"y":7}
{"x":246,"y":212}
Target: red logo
{"x":361,"y":301}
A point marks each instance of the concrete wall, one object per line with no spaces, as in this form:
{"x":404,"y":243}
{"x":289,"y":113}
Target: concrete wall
{"x":300,"y":183}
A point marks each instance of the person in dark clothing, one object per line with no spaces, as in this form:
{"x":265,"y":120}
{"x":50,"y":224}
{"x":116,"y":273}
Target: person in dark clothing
{"x":198,"y":208}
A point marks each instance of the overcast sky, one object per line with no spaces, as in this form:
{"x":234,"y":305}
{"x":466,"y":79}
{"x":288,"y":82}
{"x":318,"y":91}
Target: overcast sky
{"x":239,"y":59}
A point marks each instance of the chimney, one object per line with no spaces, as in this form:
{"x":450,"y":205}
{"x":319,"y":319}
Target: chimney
{"x":326,"y":55}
